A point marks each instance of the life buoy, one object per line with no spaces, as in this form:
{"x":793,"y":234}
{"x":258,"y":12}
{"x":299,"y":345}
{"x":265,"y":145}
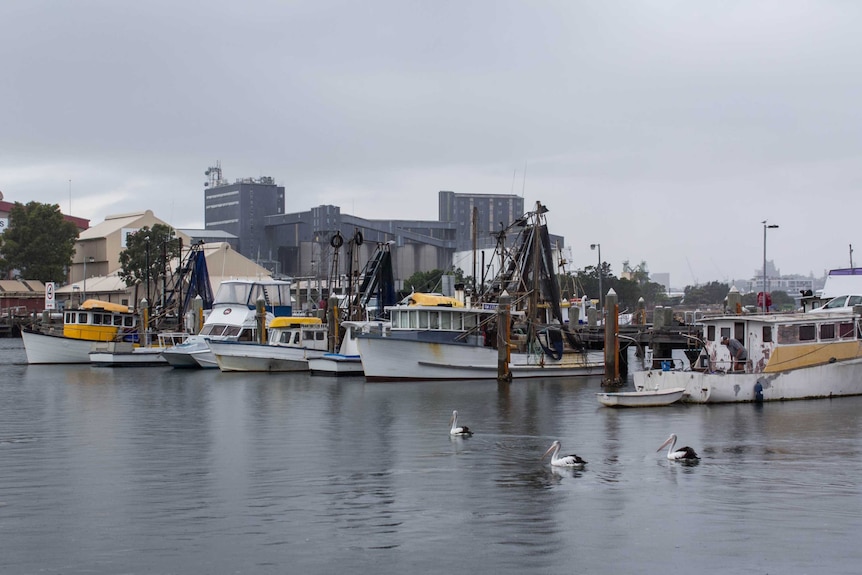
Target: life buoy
{"x":337,"y":241}
{"x":357,"y":238}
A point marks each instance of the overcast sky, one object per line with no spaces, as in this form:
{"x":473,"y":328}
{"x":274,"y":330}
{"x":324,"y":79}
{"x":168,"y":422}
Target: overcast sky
{"x":666,"y":131}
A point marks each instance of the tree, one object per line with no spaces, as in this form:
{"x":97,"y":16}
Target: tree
{"x":155,"y":246}
{"x":39,"y":242}
{"x":712,"y":293}
{"x":430,"y":281}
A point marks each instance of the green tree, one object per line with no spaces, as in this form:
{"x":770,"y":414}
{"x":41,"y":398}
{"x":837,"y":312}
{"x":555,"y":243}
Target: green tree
{"x":156,"y":246}
{"x":430,"y":281}
{"x":712,"y":293}
{"x":39,"y":242}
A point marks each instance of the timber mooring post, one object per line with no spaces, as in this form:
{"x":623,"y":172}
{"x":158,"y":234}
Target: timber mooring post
{"x":145,"y":320}
{"x":260,"y":316}
{"x":333,"y":323}
{"x":612,"y":341}
{"x":503,"y":338}
{"x":734,"y":301}
{"x":640,"y":313}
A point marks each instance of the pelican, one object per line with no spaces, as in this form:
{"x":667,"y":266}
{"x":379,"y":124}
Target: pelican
{"x":573,"y":461}
{"x":683,"y":453}
{"x":462,"y":431}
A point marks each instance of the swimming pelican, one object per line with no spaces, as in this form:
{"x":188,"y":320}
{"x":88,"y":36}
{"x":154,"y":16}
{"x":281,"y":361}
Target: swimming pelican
{"x":573,"y":461}
{"x":463,"y":431}
{"x":683,"y":453}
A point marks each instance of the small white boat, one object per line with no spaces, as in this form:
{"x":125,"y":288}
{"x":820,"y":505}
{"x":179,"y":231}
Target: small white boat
{"x":642,"y":398}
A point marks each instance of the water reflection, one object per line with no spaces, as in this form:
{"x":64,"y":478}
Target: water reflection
{"x":197,"y":471}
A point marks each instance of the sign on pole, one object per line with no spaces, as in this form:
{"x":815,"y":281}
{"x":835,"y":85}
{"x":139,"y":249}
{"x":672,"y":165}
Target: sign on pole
{"x":50,"y":303}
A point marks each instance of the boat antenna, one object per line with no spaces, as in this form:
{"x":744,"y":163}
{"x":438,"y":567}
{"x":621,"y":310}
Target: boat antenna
{"x":524,"y":184}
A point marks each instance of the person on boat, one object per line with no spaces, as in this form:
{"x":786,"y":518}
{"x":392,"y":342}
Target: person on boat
{"x":737,"y":352}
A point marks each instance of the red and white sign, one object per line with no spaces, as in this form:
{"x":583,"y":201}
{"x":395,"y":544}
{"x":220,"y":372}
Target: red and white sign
{"x":50,"y":302}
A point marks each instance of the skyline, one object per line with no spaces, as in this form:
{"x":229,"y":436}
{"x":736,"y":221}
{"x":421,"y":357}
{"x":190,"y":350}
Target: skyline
{"x":667,"y":132}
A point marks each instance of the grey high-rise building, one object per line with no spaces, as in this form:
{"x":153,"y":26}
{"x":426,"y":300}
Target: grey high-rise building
{"x":239,"y":208}
{"x":493,"y":213}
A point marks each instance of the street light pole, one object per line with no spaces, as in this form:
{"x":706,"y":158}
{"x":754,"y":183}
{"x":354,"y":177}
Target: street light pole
{"x":765,"y":227}
{"x":598,"y":247}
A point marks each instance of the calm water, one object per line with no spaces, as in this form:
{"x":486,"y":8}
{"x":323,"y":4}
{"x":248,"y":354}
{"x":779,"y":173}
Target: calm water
{"x":153,"y":470}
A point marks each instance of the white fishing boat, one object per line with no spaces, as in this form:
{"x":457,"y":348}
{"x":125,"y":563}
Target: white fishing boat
{"x":126,"y":354}
{"x":232,"y":318}
{"x":347,"y":360}
{"x":789,"y":356}
{"x":641,"y":398}
{"x":291,"y":341}
{"x":443,"y":339}
{"x":94,"y":321}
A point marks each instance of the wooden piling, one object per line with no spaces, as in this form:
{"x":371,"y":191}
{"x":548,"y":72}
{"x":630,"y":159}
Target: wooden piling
{"x":260,"y":316}
{"x":612,"y":341}
{"x":504,"y":325}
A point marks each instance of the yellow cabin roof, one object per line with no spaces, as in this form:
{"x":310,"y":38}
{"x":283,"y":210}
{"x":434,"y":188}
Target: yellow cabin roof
{"x":96,"y":304}
{"x":289,"y":321}
{"x":433,"y":299}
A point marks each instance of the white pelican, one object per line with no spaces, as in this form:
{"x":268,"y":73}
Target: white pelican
{"x":463,"y":431}
{"x":683,"y":453}
{"x":573,"y":461}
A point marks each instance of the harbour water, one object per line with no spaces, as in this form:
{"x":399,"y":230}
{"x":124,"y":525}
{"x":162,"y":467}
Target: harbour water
{"x":154,"y":470}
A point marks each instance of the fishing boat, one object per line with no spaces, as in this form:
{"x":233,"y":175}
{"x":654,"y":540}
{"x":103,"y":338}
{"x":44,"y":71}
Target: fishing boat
{"x":789,"y":356}
{"x":233,"y":318}
{"x":346,"y":361}
{"x":436,"y":338}
{"x":641,"y":398}
{"x":291,"y":341}
{"x":127,"y":354}
{"x":94,"y":321}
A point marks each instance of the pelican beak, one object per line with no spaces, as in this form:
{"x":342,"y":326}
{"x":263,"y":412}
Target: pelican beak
{"x":548,"y":452}
{"x":663,"y":445}
{"x":451,"y":419}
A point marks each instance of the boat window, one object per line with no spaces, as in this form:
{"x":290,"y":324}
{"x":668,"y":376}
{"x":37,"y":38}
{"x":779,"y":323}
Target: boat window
{"x":807,"y":332}
{"x":854,"y":300}
{"x":725,"y":332}
{"x":710,"y":333}
{"x":97,"y":319}
{"x":128,"y":321}
{"x":827,"y":331}
{"x":446,"y":320}
{"x":767,"y":334}
{"x":285,"y":337}
{"x":423,"y":320}
{"x":296,"y":337}
{"x":232,"y":330}
{"x":788,"y":334}
{"x":244,"y":335}
{"x":414,"y":319}
{"x":845,"y":330}
{"x":434,"y":320}
{"x":118,"y":320}
{"x":469,"y":321}
{"x":319,"y":335}
{"x":82,"y":317}
{"x":69,"y":317}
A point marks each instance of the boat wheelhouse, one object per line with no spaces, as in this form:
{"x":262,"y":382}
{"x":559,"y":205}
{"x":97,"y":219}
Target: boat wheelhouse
{"x":94,"y":321}
{"x":291,"y":341}
{"x":789,"y":356}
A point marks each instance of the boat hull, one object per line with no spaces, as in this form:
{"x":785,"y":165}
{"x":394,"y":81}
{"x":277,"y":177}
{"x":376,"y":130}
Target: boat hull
{"x":836,"y":379}
{"x":336,"y":364}
{"x":653,"y":398}
{"x":43,"y":348}
{"x":393,"y":359}
{"x":236,"y":356}
{"x":141,"y":357}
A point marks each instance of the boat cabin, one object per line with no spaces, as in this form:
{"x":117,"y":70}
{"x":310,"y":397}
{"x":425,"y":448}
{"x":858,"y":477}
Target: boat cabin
{"x":779,"y":342}
{"x":298,"y":332}
{"x":98,"y":320}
